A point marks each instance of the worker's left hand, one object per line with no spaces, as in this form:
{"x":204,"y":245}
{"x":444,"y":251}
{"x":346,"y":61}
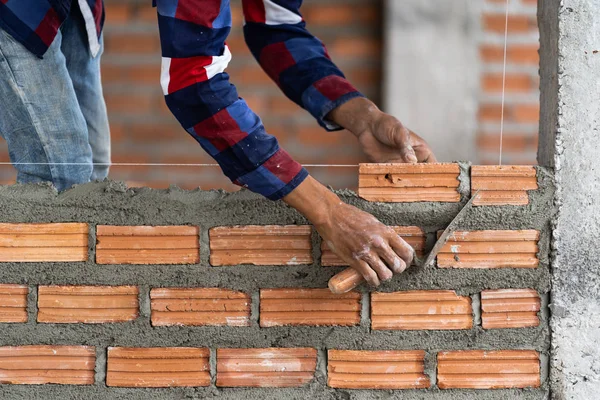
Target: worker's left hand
{"x":383,"y":137}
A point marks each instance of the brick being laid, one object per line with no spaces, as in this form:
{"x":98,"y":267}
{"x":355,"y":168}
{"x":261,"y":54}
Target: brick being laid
{"x":312,"y":307}
{"x":502,"y":184}
{"x":399,"y":183}
{"x":413,"y":235}
{"x":420,"y":310}
{"x":42,"y":364}
{"x":155,"y":367}
{"x":199,"y":306}
{"x":13,"y":303}
{"x":391,"y":369}
{"x":87,"y":304}
{"x":53,"y":242}
{"x":510,"y":308}
{"x":266,"y":367}
{"x":261,"y":245}
{"x":490,"y":249}
{"x":147,"y":244}
{"x":481,"y":369}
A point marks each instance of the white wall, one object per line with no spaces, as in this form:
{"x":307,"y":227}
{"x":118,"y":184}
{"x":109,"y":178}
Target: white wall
{"x":431,"y":71}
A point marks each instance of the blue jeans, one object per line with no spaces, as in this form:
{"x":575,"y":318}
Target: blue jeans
{"x":52,"y":112}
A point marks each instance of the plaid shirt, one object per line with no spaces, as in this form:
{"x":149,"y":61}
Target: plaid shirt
{"x":35,"y":23}
{"x":198,"y":92}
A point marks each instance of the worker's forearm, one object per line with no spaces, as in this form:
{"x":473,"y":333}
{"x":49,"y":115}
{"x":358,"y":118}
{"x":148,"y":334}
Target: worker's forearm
{"x":314,"y":201}
{"x":356,"y":115}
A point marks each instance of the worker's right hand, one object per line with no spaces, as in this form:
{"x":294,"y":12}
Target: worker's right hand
{"x":358,"y":238}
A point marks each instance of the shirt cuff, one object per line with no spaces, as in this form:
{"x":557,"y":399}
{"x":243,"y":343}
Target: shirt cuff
{"x":327,"y":94}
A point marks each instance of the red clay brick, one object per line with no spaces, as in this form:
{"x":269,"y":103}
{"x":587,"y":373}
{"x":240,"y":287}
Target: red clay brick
{"x":516,"y":23}
{"x":314,"y":307}
{"x":36,"y":365}
{"x":479,"y":369}
{"x":147,"y":245}
{"x":502,"y":185}
{"x":515,"y":83}
{"x":409,"y":182}
{"x":199,"y":306}
{"x":420,"y":309}
{"x":87,"y":304}
{"x":393,"y":369}
{"x":510,"y":308}
{"x":13,"y":303}
{"x":490,"y":249}
{"x":43,"y":242}
{"x":261,"y":245}
{"x":157,"y":367}
{"x":270,"y":367}
{"x":413,"y":235}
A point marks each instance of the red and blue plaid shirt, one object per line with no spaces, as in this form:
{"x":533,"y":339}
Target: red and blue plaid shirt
{"x":198,"y":92}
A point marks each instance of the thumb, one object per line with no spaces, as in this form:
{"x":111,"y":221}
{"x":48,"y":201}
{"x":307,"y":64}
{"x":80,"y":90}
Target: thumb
{"x":408,"y":154}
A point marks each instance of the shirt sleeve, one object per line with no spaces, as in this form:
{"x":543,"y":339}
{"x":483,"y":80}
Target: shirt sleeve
{"x":297,"y":61}
{"x":198,"y":93}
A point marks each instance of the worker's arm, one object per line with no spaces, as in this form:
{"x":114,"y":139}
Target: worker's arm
{"x":299,"y":64}
{"x":198,"y":92}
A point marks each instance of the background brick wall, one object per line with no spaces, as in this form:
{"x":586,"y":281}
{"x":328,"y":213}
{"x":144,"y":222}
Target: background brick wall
{"x":144,"y":131}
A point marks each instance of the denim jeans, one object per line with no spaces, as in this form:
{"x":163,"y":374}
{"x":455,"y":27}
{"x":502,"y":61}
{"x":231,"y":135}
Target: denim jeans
{"x":52,"y":112}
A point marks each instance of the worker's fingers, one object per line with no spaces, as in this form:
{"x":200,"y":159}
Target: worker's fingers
{"x":403,"y":249}
{"x":404,"y":144}
{"x":383,"y":272}
{"x":367,"y":272}
{"x":422,"y":150}
{"x":391,"y":259}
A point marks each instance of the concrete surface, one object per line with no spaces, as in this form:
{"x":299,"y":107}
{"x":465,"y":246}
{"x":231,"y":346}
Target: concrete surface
{"x":571,"y":44}
{"x":113,"y":203}
{"x":431,"y":60}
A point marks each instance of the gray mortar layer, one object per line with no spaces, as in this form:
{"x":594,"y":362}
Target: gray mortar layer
{"x":112,"y":203}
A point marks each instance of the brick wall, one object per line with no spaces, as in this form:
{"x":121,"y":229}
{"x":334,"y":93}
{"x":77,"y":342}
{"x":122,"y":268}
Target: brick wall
{"x":521,"y":114}
{"x":143,"y":130}
{"x":140,"y":294}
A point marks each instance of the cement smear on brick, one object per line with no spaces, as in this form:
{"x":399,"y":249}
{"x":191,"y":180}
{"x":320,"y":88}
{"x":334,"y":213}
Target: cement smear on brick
{"x":112,"y":203}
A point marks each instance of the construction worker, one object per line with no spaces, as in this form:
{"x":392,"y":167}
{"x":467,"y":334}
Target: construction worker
{"x":53,"y":113}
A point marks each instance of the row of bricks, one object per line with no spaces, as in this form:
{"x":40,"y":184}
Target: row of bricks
{"x":269,"y":367}
{"x":408,"y":310}
{"x":257,"y":245}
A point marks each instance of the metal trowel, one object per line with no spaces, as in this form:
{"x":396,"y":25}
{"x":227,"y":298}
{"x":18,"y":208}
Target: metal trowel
{"x":350,"y":278}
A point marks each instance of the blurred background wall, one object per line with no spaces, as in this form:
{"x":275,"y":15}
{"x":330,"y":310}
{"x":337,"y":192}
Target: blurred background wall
{"x":435,"y":64}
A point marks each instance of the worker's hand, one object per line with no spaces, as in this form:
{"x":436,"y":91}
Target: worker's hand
{"x":382,"y":136}
{"x":358,"y":238}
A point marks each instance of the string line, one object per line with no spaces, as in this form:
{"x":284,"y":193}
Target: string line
{"x":503,"y":84}
{"x":167,"y":164}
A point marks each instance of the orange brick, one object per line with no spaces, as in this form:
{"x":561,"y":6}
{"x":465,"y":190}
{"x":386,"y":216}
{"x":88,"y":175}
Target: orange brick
{"x":421,"y":309}
{"x":409,"y":182}
{"x":157,"y":367}
{"x":519,"y":54}
{"x":513,"y":141}
{"x":525,"y":112}
{"x":359,"y":369}
{"x":43,"y":242}
{"x":489,"y":112}
{"x":359,"y":47}
{"x":132,"y":43}
{"x":87,"y":304}
{"x":13,"y":303}
{"x":314,"y":307}
{"x":199,"y":306}
{"x":413,"y":235}
{"x":502,"y":185}
{"x":480,"y":369}
{"x":516,"y":23}
{"x":515,"y":83}
{"x":147,"y":244}
{"x":490,"y":249}
{"x":36,"y":365}
{"x":261,"y":245}
{"x":117,"y":14}
{"x":510,"y":308}
{"x":270,"y":367}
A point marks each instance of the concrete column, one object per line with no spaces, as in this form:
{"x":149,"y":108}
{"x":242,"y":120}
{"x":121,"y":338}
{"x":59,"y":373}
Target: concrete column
{"x":570,"y":141}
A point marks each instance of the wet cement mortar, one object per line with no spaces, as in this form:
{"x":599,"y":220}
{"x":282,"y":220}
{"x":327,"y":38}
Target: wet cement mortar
{"x":112,"y":203}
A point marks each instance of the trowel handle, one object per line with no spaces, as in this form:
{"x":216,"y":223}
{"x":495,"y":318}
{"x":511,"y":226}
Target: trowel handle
{"x":345,"y":281}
